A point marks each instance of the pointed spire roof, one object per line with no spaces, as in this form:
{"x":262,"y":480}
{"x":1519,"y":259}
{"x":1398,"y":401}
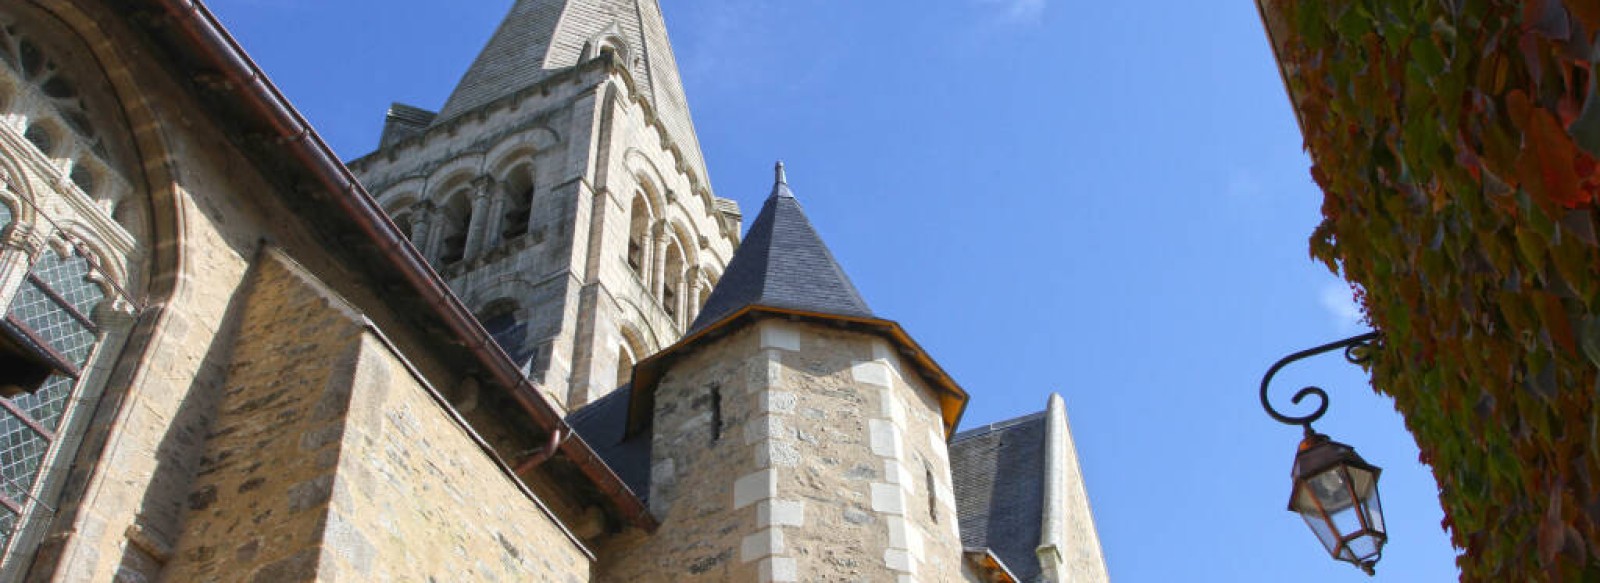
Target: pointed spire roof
{"x":783,"y":264}
{"x":783,"y":270}
{"x":540,"y":38}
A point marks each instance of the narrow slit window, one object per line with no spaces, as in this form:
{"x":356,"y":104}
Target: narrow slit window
{"x":933,"y":500}
{"x":716,"y":414}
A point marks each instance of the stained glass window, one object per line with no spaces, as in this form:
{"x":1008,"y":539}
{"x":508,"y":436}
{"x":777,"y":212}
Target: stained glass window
{"x":53,"y":305}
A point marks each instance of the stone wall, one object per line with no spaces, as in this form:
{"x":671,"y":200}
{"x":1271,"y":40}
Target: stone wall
{"x":417,"y":499}
{"x":330,"y":459}
{"x":794,"y":452}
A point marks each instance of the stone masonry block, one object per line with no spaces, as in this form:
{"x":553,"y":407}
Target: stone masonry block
{"x":871,"y":372}
{"x":887,"y":498}
{"x":764,"y":427}
{"x":893,"y":407}
{"x":761,"y":545}
{"x":885,"y":438}
{"x":881,"y":351}
{"x":777,"y":454}
{"x":904,"y":534}
{"x":778,"y":336}
{"x":897,"y":531}
{"x":779,"y":569}
{"x":771,"y":375}
{"x":781,"y":513}
{"x":778,"y":402}
{"x":897,"y":473}
{"x":899,"y":560}
{"x":937,"y":445}
{"x":755,"y":487}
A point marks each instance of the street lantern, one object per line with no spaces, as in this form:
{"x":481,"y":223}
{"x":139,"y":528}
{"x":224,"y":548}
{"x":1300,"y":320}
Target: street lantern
{"x":1335,"y":491}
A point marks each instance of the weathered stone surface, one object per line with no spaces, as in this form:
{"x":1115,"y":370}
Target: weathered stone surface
{"x":406,"y":471}
{"x":795,"y":509}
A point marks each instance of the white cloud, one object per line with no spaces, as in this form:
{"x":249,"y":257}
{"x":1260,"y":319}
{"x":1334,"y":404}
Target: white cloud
{"x":1243,"y":185}
{"x":1340,"y":304}
{"x":1018,"y":10}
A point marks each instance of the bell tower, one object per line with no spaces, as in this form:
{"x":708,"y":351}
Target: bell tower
{"x":560,"y":190}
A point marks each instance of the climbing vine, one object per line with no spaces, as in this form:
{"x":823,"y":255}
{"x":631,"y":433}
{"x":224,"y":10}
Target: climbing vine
{"x":1455,"y":142}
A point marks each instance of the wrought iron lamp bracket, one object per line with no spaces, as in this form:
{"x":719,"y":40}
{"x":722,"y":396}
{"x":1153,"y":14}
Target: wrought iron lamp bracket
{"x":1356,"y":351}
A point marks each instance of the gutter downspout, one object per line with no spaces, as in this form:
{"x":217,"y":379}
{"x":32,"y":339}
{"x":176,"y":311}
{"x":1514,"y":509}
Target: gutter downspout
{"x":201,"y":27}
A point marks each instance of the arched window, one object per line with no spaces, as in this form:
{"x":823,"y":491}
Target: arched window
{"x":639,"y":235}
{"x":672,"y":290}
{"x":406,"y":213}
{"x":519,"y":204}
{"x":457,"y":216}
{"x":625,"y":362}
{"x":404,"y":222}
{"x":63,"y":308}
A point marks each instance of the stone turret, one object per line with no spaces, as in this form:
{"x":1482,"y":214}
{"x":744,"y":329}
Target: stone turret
{"x":794,"y":435}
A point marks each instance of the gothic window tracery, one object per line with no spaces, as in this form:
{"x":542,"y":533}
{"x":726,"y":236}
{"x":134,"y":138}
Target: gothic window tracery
{"x":67,"y":248}
{"x":53,"y":115}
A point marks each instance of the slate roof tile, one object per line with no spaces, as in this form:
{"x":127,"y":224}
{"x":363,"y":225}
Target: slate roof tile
{"x":782,"y":263}
{"x":602,"y":424}
{"x":998,"y":476}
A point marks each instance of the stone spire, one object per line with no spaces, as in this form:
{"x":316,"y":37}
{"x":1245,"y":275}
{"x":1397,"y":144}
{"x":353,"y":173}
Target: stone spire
{"x":540,"y":38}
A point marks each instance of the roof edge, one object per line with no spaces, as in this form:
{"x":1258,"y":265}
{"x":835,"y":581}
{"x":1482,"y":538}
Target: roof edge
{"x":953,"y":399}
{"x":205,"y":34}
{"x":984,"y":559}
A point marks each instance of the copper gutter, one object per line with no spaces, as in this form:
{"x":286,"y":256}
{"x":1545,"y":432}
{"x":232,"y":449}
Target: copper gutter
{"x":538,"y":457}
{"x":248,"y":82}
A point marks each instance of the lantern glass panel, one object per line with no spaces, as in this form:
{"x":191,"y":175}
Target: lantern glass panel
{"x":1360,"y":549}
{"x":1368,"y":491}
{"x":1321,"y":527}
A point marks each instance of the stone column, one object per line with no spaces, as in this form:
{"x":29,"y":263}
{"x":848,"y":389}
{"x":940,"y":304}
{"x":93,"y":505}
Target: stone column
{"x":478,"y":223}
{"x":495,"y":221}
{"x":691,"y":301}
{"x":421,"y":220}
{"x":658,"y":257}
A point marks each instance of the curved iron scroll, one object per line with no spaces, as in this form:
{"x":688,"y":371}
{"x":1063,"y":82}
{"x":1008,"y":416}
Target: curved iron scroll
{"x":1355,"y":352}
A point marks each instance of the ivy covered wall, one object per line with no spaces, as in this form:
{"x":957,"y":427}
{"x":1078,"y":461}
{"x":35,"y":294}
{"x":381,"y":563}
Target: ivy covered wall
{"x":1455,"y":142}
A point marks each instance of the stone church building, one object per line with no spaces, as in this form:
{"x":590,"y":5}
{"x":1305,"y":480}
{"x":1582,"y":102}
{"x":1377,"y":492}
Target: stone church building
{"x":523,"y":340}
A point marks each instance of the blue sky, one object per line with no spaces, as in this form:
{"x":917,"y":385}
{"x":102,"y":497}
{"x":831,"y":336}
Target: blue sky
{"x":1104,"y":199}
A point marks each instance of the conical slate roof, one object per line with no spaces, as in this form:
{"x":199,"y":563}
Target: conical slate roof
{"x":783,"y":264}
{"x":782,"y":269}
